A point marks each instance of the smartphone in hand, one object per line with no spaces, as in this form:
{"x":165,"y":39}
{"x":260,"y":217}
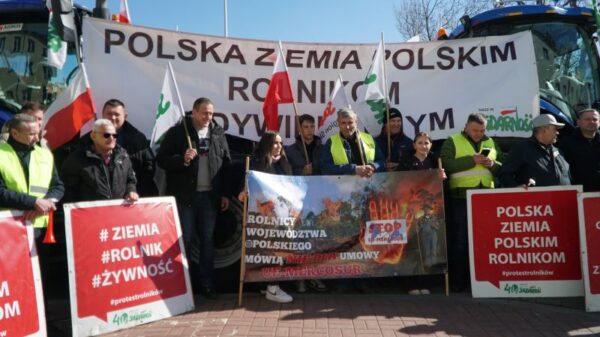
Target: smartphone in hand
{"x":485,"y":152}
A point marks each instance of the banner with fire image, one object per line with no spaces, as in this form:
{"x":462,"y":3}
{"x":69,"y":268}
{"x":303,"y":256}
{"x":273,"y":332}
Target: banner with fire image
{"x":302,"y":227}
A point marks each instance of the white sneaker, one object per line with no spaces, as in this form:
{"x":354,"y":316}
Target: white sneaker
{"x":301,"y":286}
{"x":275,"y":294}
{"x":425,"y":292}
{"x":414,"y":292}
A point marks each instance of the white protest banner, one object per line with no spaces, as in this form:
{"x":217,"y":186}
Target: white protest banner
{"x":523,"y":243}
{"x":21,"y":297}
{"x":127,"y":268}
{"x":434,"y":84}
{"x":589,"y":233}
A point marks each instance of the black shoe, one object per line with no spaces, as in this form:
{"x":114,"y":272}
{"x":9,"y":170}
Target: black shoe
{"x":209,"y":293}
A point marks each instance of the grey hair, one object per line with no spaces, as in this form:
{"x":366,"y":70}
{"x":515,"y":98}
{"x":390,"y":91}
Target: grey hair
{"x":19,"y":120}
{"x":100,"y":123}
{"x":345,"y":113}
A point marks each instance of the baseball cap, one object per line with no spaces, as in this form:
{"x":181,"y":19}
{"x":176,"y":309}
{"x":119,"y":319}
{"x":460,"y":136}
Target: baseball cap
{"x":545,"y":119}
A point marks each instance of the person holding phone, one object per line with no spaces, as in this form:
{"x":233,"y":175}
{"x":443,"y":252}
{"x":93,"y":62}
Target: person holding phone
{"x":470,"y":159}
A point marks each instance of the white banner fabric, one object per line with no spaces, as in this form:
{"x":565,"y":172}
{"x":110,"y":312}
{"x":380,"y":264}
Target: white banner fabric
{"x":434,"y":84}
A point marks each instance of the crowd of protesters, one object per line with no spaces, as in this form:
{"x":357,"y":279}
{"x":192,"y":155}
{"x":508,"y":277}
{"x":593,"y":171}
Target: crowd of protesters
{"x":115,"y":161}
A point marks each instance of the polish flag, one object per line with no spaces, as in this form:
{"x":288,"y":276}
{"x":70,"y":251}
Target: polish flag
{"x":280,"y":91}
{"x":73,"y":108}
{"x":124,"y":12}
{"x":328,"y":122}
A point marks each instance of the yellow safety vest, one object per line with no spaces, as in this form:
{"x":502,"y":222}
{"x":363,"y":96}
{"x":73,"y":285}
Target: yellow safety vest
{"x":41,"y":165}
{"x":339,"y":154}
{"x":477,"y":175}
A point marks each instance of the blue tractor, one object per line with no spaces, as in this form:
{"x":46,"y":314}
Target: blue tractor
{"x":566,"y":50}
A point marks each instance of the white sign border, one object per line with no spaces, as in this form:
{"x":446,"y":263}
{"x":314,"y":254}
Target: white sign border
{"x":37,"y":275}
{"x":592,"y":302}
{"x":162,"y":308}
{"x":484,"y":289}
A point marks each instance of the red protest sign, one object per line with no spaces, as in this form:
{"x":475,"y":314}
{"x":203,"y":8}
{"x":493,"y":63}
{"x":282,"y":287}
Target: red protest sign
{"x":591,"y":209}
{"x":21,"y":302}
{"x":589,"y":228}
{"x":524,"y":243}
{"x":125,"y":256}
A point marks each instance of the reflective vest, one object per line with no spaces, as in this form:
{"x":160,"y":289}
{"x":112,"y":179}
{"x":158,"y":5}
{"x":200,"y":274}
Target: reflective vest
{"x":477,"y":175}
{"x":41,"y":165}
{"x":339,"y":153}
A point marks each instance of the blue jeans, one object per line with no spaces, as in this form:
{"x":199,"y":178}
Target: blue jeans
{"x":198,"y":227}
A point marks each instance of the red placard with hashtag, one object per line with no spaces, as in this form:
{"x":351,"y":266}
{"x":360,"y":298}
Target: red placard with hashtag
{"x":126,"y":264}
{"x":21,"y":299}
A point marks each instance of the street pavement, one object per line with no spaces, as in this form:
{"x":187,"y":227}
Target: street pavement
{"x":369,"y":315}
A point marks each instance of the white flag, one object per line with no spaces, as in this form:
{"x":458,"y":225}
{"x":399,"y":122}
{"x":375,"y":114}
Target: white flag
{"x":57,"y":48}
{"x":328,"y":122}
{"x":371,"y":110}
{"x":168,"y":113}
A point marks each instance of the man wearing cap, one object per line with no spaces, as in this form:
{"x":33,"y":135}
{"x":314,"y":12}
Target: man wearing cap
{"x":401,"y":144}
{"x":470,"y":158}
{"x":536,"y":161}
{"x":582,"y":151}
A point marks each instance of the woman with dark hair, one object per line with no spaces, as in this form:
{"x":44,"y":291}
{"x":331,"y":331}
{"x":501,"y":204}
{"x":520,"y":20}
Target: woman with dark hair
{"x":401,"y":144}
{"x":427,"y":225}
{"x":269,"y":157}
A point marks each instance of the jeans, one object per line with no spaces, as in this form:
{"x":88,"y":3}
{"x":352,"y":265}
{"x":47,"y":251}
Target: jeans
{"x":198,"y":227}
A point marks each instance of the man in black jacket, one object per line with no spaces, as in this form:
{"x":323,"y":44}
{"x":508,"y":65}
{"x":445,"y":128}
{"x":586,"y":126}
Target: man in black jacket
{"x":135,"y":143}
{"x":101,"y":170}
{"x":536,"y":161}
{"x":582,"y":151}
{"x":295,"y":152}
{"x":194,"y":162}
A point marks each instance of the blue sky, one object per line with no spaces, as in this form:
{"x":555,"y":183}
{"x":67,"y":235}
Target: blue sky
{"x":342,"y":21}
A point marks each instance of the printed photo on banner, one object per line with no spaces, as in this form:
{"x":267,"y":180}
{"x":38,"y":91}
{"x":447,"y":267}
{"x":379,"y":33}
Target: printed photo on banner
{"x":302,"y":227}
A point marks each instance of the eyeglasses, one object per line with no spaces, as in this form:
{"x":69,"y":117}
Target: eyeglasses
{"x":108,"y":135}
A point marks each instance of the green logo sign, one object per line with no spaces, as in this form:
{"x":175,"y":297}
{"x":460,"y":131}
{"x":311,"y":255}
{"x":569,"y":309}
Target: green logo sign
{"x":515,"y":289}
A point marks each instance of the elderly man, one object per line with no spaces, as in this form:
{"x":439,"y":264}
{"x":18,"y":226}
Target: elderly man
{"x":582,"y":151}
{"x":28,"y":179}
{"x":195,"y":161}
{"x":136,"y":145}
{"x":351,"y":152}
{"x":469,"y":158}
{"x":536,"y":161}
{"x":100,"y":170}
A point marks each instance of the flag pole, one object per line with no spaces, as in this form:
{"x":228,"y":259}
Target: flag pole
{"x":387,"y":106}
{"x":295,"y":106}
{"x":363,"y":160}
{"x":244,"y":224}
{"x":187,"y":133}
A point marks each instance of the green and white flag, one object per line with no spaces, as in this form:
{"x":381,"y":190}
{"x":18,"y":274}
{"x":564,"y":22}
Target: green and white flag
{"x":168,"y":113}
{"x":372,"y":107}
{"x":57,"y":48}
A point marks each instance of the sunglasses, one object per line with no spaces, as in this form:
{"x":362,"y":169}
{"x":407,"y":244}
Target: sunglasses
{"x":108,"y":135}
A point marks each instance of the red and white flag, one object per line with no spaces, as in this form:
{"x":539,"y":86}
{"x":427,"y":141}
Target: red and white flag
{"x":124,"y":12}
{"x":70,"y":111}
{"x":280,"y":91}
{"x":328,"y":121}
